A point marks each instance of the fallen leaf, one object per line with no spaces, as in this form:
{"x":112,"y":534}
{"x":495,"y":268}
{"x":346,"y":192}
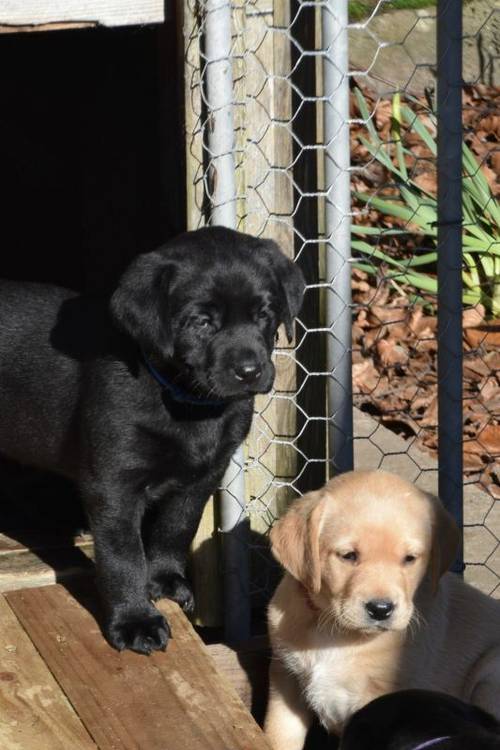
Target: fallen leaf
{"x":492,"y":359}
{"x":476,"y":368}
{"x":494,"y":490}
{"x":473,"y":316}
{"x":365,"y":377}
{"x":373,"y":335}
{"x":427,"y":181}
{"x":487,"y":334}
{"x":489,"y":439}
{"x":430,"y":415}
{"x":390,"y":353}
{"x":488,"y":388}
{"x":495,"y":162}
{"x":472,"y":462}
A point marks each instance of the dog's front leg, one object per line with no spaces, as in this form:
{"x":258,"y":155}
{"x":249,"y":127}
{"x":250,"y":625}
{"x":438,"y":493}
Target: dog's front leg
{"x":168,"y":536}
{"x":287,"y":718}
{"x":131,"y":620}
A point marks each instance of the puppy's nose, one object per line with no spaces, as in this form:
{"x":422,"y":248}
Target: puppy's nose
{"x":247,"y":371}
{"x":379,"y":609}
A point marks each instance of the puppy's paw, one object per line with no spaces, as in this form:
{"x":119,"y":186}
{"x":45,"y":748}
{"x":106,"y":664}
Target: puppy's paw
{"x":143,"y":630}
{"x":172,"y":586}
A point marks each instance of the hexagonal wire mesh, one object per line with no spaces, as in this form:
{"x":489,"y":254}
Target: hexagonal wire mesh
{"x":322,"y":101}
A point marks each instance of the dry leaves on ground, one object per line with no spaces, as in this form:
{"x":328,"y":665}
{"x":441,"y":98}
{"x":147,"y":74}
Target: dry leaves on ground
{"x":481,"y":119}
{"x":395,"y":375}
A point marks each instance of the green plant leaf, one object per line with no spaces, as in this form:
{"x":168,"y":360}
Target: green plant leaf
{"x":396,"y":134}
{"x":417,"y":207}
{"x":415,"y":124}
{"x":377,"y":231}
{"x":366,"y":115}
{"x":380,"y":154}
{"x":386,"y":207}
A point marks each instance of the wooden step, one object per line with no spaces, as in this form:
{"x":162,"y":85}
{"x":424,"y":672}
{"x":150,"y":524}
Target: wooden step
{"x":25,"y":540}
{"x":247,"y":669}
{"x":34,"y":712}
{"x":42,"y":559}
{"x":106,"y":699}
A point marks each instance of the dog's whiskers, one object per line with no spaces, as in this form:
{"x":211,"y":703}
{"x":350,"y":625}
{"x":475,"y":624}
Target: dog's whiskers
{"x":199,"y":389}
{"x":328,"y":618}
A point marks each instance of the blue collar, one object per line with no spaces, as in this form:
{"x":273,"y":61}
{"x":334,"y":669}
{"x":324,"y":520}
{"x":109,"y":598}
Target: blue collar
{"x":178,"y":394}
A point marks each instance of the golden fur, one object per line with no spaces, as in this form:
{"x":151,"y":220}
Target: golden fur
{"x":372,"y":537}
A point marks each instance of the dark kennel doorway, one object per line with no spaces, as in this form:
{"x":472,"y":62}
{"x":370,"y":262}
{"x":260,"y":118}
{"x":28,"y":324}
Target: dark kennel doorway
{"x":92,"y":173}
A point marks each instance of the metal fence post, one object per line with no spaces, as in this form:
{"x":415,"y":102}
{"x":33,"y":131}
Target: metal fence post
{"x":221,"y":187}
{"x":449,"y":117}
{"x":338,"y":233}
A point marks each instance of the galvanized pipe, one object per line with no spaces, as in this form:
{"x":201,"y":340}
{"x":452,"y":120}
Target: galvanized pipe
{"x":338,"y":233}
{"x":221,"y":177}
{"x":221,"y":188}
{"x":449,"y":162}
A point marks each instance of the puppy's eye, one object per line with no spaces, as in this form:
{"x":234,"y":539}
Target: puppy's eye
{"x":351,"y":556}
{"x":409,"y":559}
{"x":262,"y":314}
{"x":201,"y":323}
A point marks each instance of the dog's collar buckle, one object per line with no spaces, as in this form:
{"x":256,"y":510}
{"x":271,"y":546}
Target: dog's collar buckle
{"x":176,"y":393}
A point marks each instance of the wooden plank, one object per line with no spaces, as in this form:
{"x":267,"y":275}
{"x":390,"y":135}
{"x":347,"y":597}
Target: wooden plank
{"x":105,"y":12}
{"x":247,"y":669}
{"x":34,"y":713}
{"x":65,"y":26}
{"x":204,"y":571}
{"x":31,"y":540}
{"x":174,"y":699}
{"x":27,"y":569}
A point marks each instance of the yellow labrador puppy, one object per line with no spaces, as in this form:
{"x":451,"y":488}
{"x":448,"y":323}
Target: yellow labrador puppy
{"x":366,"y":607}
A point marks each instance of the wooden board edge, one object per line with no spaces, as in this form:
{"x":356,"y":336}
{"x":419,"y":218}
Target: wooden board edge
{"x":6,"y":28}
{"x":34,"y":707}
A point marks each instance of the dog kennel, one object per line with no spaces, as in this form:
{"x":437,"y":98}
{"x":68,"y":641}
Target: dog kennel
{"x":92,"y":174}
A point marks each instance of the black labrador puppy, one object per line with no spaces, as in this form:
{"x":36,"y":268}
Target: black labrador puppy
{"x":143,"y":401}
{"x":421,"y":720}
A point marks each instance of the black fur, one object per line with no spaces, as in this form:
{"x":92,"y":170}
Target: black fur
{"x":405,"y":720}
{"x":78,"y":399}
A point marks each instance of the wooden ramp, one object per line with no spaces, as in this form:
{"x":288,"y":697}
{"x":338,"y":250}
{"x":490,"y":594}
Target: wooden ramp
{"x":62,"y":687}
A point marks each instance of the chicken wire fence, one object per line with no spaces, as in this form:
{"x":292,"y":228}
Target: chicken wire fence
{"x":316,"y":124}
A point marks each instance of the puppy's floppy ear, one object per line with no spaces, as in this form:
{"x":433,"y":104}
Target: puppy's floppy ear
{"x":295,"y":539}
{"x":139,"y":306}
{"x":291,"y":281}
{"x":445,"y":540}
